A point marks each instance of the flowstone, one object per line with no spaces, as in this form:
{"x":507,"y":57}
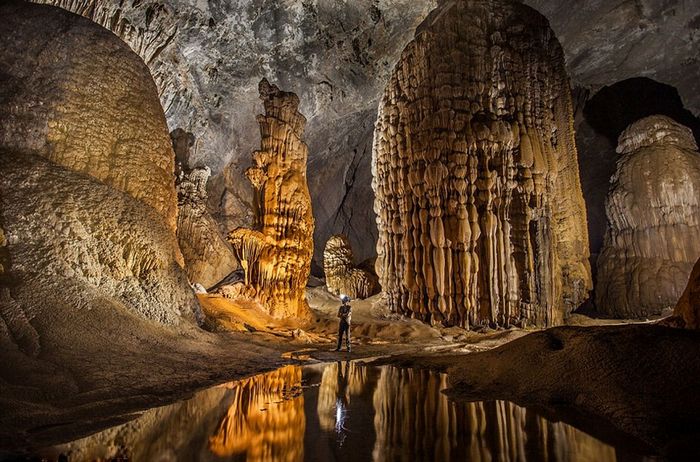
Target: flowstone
{"x":342,"y":276}
{"x":653,"y":211}
{"x":276,"y":254}
{"x":480,"y":212}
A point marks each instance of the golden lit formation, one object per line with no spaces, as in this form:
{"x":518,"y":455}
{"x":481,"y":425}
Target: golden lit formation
{"x":479,"y":206}
{"x":266,"y":419}
{"x":276,"y":254}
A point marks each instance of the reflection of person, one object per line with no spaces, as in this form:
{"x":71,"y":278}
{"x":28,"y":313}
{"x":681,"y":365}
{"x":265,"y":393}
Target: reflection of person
{"x":345,"y":314}
{"x":342,"y":401}
{"x":342,"y":382}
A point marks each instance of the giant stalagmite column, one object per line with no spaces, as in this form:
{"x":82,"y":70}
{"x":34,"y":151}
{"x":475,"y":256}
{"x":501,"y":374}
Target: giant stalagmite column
{"x":276,"y":256}
{"x":480,"y":212}
{"x":653,"y":210}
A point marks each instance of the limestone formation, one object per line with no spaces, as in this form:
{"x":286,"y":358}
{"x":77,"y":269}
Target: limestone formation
{"x":688,"y":307}
{"x":337,"y":56}
{"x":44,"y":111}
{"x":653,"y":210}
{"x":480,"y":212}
{"x":87,"y":197}
{"x":342,"y":276}
{"x":276,"y":255}
{"x":208,"y":256}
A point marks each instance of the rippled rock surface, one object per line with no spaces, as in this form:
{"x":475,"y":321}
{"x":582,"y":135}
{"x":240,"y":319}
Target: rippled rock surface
{"x":653,"y":210}
{"x":88,"y":205}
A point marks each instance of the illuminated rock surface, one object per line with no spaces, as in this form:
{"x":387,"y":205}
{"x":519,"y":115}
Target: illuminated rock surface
{"x":86,"y":183}
{"x":342,"y":276}
{"x":208,"y":257}
{"x":276,"y":254}
{"x":480,"y":212}
{"x":653,"y":210}
{"x":84,"y":100}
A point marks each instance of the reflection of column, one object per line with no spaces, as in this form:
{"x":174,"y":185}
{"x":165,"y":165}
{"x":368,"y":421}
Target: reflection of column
{"x":266,"y":419}
{"x":340,"y":381}
{"x":504,"y":431}
{"x":415,"y":421}
{"x":410,"y":408}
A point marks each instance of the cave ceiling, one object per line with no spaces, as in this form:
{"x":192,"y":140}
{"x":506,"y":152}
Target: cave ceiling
{"x":207,"y":58}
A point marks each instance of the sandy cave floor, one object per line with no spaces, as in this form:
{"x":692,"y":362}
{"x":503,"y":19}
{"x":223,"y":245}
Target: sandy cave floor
{"x":65,"y":395}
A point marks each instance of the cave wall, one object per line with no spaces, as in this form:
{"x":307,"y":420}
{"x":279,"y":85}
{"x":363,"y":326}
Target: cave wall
{"x":207,"y":58}
{"x":653,"y":210}
{"x":480,"y":212}
{"x":87,"y":197}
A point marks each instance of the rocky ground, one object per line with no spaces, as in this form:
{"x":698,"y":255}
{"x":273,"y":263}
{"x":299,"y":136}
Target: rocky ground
{"x":634,"y":382}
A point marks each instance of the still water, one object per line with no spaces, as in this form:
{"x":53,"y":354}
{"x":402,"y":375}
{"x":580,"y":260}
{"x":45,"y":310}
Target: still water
{"x":340,"y":412}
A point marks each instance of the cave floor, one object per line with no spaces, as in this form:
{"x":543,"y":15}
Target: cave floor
{"x":63,"y":394}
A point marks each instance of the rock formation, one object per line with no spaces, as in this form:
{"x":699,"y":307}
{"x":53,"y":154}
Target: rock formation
{"x":126,"y":147}
{"x":688,"y":307}
{"x":208,"y":256}
{"x":480,"y":212}
{"x":638,"y":380}
{"x":87,"y":197}
{"x":342,"y":276}
{"x":653,"y":210}
{"x":276,"y":255}
{"x":337,"y":56}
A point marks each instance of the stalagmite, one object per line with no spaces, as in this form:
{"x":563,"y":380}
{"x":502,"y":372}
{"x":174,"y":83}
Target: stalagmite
{"x":276,"y":255}
{"x":208,"y":257}
{"x":342,"y":276}
{"x":480,"y":213}
{"x":653,"y":210}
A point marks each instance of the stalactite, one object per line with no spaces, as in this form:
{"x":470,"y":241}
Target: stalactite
{"x":276,"y":257}
{"x":653,"y":210}
{"x":342,"y":276}
{"x":480,"y":213}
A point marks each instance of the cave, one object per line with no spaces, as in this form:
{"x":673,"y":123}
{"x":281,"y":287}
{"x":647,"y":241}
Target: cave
{"x":496,"y":203}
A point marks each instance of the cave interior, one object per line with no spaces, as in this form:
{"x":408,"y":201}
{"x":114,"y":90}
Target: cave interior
{"x":497,"y":201}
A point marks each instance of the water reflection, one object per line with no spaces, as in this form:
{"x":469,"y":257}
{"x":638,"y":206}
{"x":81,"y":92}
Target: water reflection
{"x":266,"y":419}
{"x":340,"y":412}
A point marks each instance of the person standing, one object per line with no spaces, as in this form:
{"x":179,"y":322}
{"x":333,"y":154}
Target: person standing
{"x":344,"y":314}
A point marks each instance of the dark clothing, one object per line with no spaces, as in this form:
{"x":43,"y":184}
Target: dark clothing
{"x":345,"y":315}
{"x":344,"y":328}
